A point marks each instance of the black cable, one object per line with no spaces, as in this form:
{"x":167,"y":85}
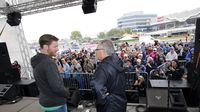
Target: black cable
{"x":2,"y":101}
{"x":18,"y":98}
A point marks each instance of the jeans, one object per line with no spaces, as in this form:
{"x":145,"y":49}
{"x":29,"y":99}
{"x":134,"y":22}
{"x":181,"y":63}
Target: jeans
{"x":62,"y":109}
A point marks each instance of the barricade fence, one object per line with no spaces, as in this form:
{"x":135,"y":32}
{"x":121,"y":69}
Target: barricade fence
{"x":81,"y":81}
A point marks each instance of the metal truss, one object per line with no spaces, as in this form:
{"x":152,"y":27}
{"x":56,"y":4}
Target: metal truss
{"x":38,"y":6}
{"x":26,"y":71}
{"x":28,"y":8}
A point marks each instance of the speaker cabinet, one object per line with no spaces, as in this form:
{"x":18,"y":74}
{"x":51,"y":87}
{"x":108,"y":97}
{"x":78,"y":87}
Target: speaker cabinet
{"x":5,"y":63}
{"x":89,"y":6}
{"x":8,"y":91}
{"x":14,"y":18}
{"x":157,"y":100}
{"x":27,"y":88}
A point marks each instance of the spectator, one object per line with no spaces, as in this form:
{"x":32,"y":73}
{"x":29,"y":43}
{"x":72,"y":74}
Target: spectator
{"x":128,"y":66}
{"x":88,"y":66}
{"x":171,"y":55}
{"x":175,"y":70}
{"x":150,"y":65}
{"x":139,"y":68}
{"x":66,"y":68}
{"x":76,"y":67}
{"x":189,"y":54}
{"x":191,"y":43}
{"x":153,"y":54}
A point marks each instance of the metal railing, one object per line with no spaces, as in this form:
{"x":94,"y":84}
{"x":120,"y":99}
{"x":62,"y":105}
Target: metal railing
{"x":182,"y":63}
{"x":156,"y":74}
{"x":81,"y":81}
{"x":160,"y":71}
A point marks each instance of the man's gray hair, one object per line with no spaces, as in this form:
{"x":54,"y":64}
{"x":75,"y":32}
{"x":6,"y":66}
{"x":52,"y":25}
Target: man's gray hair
{"x":107,"y":45}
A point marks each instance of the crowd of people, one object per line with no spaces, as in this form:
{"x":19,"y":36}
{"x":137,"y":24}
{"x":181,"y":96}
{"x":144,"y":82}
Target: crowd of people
{"x":108,"y":65}
{"x":134,"y":58}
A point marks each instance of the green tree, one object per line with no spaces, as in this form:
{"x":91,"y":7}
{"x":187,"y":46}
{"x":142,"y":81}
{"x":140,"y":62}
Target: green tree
{"x":114,"y":33}
{"x":87,"y":39}
{"x":127,"y":30}
{"x":101,"y":35}
{"x":76,"y":35}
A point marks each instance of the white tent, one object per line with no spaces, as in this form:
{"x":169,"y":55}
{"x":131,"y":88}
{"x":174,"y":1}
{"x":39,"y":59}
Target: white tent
{"x":126,"y":38}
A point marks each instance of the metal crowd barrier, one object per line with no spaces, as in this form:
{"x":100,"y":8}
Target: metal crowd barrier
{"x":182,"y":63}
{"x":81,"y":81}
{"x":157,"y":74}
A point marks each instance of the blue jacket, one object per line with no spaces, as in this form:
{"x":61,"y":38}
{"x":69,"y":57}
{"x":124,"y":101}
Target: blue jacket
{"x":189,"y":54}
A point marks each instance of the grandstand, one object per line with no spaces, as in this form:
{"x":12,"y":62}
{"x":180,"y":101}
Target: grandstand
{"x":177,"y":23}
{"x":185,"y":15}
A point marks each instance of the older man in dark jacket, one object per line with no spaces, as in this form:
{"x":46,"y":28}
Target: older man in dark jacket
{"x":109,"y":82}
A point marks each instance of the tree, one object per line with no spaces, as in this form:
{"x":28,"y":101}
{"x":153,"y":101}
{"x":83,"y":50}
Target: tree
{"x":87,"y":39}
{"x":127,"y":30}
{"x":76,"y":35}
{"x":114,"y":33}
{"x":101,"y":35}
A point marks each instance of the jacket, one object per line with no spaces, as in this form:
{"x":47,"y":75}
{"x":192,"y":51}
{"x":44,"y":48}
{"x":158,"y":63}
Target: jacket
{"x":48,"y":80}
{"x":109,"y":86}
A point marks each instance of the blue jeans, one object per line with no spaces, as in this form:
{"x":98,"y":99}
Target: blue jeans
{"x":62,"y":109}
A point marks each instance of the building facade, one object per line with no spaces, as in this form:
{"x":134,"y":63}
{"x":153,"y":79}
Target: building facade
{"x":137,"y":21}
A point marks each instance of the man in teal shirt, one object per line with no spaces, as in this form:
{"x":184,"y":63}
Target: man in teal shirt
{"x":53,"y":94}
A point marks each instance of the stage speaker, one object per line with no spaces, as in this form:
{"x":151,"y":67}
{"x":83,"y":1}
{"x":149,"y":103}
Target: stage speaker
{"x":14,"y":18}
{"x":8,"y":91}
{"x":157,"y":100}
{"x":5,"y":63}
{"x":27,"y":88}
{"x":89,"y":6}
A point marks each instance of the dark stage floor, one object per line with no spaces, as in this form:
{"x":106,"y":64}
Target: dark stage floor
{"x":30,"y":104}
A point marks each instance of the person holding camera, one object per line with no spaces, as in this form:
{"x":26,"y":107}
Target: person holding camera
{"x":175,"y":70}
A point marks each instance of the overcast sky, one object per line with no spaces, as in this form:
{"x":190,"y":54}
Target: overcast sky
{"x":63,"y":21}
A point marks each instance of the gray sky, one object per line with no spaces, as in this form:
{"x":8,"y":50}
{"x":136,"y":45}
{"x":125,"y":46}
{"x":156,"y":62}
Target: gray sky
{"x":63,"y":21}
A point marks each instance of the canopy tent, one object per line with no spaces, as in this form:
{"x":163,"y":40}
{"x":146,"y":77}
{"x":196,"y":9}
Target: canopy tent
{"x":126,"y":38}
